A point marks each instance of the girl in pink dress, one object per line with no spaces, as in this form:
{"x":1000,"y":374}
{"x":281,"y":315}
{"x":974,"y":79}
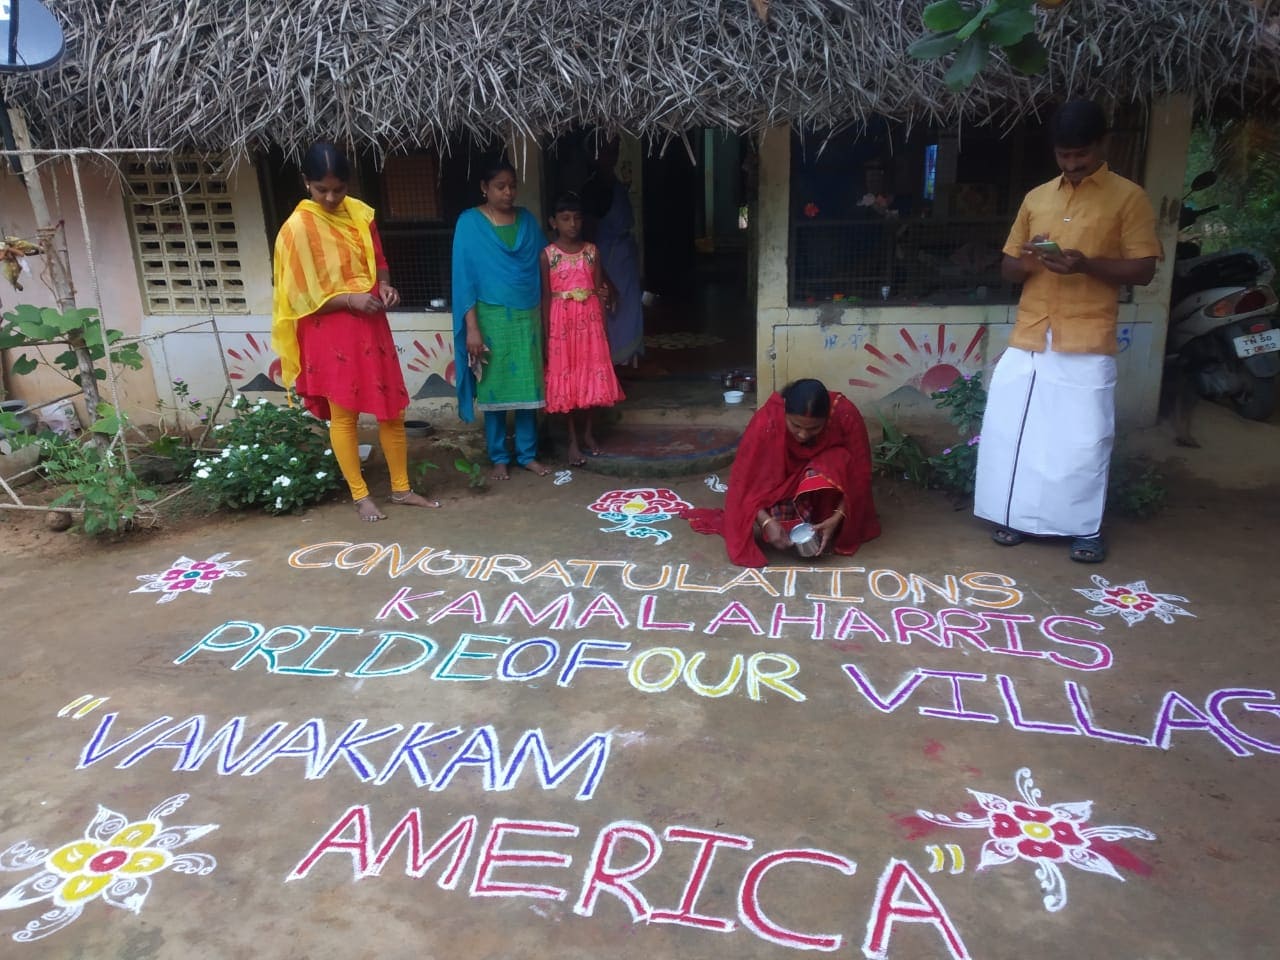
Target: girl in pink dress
{"x":574,"y":293}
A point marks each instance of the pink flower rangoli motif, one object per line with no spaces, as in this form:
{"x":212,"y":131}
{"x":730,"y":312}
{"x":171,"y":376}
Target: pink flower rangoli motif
{"x":189,"y":576}
{"x":114,"y":862}
{"x":1133,"y":601}
{"x":1048,"y":836}
{"x":637,"y":510}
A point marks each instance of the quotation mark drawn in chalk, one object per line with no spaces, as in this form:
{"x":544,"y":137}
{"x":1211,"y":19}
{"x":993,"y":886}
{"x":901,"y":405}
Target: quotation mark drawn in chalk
{"x":715,"y":484}
{"x":563,"y":477}
{"x":83,"y":706}
{"x":940,"y":858}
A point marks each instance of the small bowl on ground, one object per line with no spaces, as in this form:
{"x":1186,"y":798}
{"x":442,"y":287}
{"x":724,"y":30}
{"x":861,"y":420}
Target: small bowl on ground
{"x":733,"y":396}
{"x":417,"y":428}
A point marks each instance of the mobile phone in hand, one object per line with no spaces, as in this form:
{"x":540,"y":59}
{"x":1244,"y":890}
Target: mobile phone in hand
{"x":1046,"y":246}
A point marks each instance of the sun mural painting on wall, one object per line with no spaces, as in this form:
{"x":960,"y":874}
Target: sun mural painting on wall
{"x":113,"y":862}
{"x":1049,"y":836}
{"x":433,"y":362}
{"x":253,"y":367}
{"x":927,"y":360}
{"x":637,"y":510}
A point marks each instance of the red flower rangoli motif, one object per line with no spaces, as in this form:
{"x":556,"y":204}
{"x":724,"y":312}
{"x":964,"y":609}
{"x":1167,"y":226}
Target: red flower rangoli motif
{"x":1047,"y":836}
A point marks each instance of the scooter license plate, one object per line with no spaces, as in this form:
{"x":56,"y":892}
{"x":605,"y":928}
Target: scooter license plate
{"x":1251,"y":344}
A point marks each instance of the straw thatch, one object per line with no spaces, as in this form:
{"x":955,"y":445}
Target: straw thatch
{"x":233,"y":75}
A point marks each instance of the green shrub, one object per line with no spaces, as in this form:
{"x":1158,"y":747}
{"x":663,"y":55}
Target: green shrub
{"x":1136,"y":489}
{"x":965,"y":401}
{"x":899,"y":454}
{"x":273,"y":458}
{"x":109,"y":493}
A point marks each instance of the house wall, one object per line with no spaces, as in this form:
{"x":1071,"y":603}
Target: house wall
{"x":424,"y":338}
{"x":117,"y":285}
{"x":890,"y":358}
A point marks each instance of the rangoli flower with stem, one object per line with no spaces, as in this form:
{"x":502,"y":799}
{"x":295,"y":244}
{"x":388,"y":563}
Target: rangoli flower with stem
{"x":636,"y":510}
{"x":1133,"y":601}
{"x":114,"y":862}
{"x":1048,"y":836}
{"x":189,"y":576}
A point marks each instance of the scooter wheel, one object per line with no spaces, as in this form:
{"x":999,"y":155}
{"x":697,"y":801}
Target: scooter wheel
{"x":1258,"y":399}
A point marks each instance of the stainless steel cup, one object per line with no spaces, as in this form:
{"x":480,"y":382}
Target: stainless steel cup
{"x":805,"y":539}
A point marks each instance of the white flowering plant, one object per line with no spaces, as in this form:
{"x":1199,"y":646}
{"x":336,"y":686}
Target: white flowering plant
{"x":271,"y":457}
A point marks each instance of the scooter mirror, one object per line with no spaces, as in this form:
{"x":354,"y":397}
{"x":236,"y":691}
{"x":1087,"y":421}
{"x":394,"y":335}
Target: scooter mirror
{"x":1204,"y":180}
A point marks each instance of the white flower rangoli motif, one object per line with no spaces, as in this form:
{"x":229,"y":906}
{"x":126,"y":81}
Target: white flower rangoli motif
{"x":1048,"y":836}
{"x":114,"y":862}
{"x":189,"y":576}
{"x":1133,"y":601}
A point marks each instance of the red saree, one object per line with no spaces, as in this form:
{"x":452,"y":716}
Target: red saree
{"x":770,"y":467}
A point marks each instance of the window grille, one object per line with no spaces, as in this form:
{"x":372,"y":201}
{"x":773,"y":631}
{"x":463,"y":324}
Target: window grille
{"x":174,"y":277}
{"x":411,"y":188}
{"x":904,"y":216}
{"x":420,"y":258}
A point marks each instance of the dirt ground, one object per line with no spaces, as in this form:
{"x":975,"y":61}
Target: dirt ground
{"x":527,"y":725}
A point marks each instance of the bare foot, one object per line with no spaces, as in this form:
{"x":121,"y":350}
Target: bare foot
{"x":590,"y":442}
{"x":499,"y":472}
{"x":576,"y":459}
{"x":533,"y":466}
{"x":368,"y":510}
{"x":410,"y":499}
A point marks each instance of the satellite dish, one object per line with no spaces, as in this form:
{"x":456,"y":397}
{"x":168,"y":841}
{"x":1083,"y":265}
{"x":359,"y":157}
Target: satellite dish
{"x":30,"y":36}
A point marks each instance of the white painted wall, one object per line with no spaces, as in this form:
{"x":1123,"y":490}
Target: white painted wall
{"x":116,"y":293}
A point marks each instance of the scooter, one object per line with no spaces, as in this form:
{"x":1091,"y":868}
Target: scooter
{"x":1223,"y":338}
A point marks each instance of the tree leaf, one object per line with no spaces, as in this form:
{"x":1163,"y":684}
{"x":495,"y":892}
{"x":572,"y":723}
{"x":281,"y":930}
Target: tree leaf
{"x":946,"y":16}
{"x":933,"y":47}
{"x":35,"y":330}
{"x":1008,"y":27}
{"x":969,"y":62}
{"x":970,"y":28}
{"x":24,"y":365}
{"x":1028,"y":55}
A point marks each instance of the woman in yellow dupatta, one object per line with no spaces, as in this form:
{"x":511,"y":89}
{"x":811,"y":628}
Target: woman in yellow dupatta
{"x":329,"y":325}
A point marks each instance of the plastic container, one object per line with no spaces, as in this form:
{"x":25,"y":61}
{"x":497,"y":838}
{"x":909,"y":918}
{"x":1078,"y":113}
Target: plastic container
{"x":364,"y":450}
{"x":416,"y":428}
{"x":805,"y":539}
{"x":733,"y":396}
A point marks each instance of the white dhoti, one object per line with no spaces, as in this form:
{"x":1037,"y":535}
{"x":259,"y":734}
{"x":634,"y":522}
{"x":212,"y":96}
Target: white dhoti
{"x":1046,"y":443}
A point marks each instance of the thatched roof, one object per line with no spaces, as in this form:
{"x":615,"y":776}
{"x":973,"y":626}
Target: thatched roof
{"x":237,"y":74}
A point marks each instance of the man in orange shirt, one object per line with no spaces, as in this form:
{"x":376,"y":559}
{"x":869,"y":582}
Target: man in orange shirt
{"x":1050,"y":419}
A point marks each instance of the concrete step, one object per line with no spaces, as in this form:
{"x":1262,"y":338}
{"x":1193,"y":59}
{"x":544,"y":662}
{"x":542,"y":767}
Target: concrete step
{"x":669,"y":428}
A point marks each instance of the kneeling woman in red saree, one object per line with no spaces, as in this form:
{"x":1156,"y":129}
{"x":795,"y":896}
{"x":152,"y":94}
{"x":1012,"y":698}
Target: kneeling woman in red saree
{"x":804,"y":458}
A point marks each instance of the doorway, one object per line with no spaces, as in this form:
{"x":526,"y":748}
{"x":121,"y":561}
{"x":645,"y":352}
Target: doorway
{"x":693,"y":200}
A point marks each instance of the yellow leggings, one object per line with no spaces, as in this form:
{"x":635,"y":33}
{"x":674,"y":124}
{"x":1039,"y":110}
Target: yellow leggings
{"x":346,"y":450}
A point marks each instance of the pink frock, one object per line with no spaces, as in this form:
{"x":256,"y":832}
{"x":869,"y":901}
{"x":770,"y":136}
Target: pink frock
{"x":579,"y":368}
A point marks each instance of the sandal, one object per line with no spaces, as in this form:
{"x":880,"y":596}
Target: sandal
{"x":368,"y":510}
{"x":1088,"y":550}
{"x":1006,"y":537}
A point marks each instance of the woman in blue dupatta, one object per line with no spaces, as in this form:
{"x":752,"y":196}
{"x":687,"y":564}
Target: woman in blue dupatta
{"x":497,"y":320}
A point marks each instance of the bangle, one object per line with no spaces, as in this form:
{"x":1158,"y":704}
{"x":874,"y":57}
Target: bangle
{"x":767,"y":521}
{"x":837,"y":510}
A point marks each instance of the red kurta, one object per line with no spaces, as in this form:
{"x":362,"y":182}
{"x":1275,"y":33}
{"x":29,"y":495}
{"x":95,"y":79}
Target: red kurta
{"x":770,"y":465}
{"x":351,"y":359}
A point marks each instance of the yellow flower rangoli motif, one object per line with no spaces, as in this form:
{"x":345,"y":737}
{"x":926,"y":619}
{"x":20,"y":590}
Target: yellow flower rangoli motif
{"x":114,"y":862}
